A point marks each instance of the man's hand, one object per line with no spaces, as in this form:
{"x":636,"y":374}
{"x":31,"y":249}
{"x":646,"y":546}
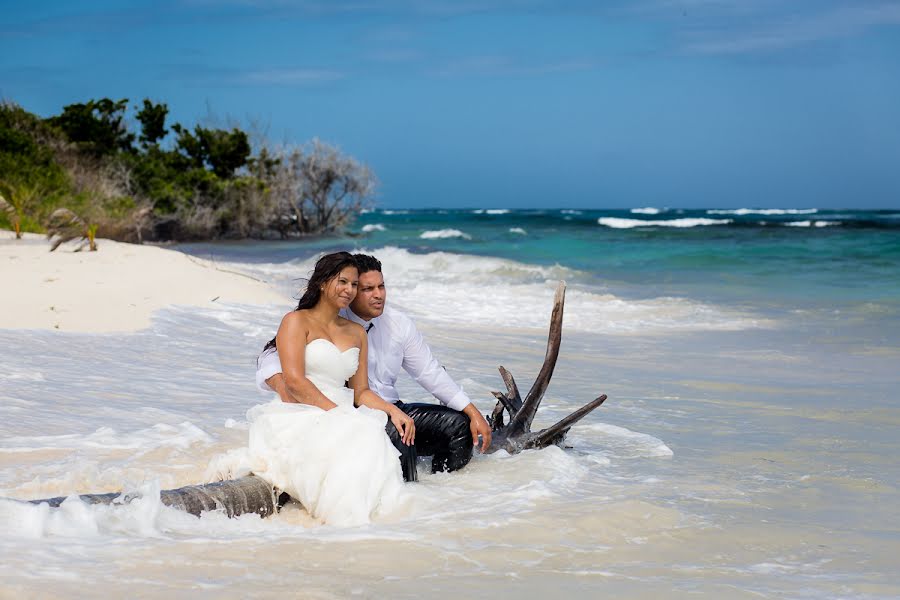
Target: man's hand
{"x":404,"y":424}
{"x":276,"y":382}
{"x":478,"y":427}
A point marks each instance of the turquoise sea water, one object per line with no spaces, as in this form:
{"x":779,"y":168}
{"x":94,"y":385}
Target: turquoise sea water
{"x":774,"y":259}
{"x":727,"y":254}
{"x":747,"y":449}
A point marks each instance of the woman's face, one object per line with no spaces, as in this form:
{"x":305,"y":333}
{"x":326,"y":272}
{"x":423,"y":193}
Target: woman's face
{"x":341,"y":289}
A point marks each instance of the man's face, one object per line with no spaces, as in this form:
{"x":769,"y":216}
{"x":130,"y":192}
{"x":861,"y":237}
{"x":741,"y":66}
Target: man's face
{"x":370,"y":296}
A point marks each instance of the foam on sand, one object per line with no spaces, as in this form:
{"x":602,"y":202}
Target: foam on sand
{"x":183,"y":435}
{"x":117,"y":288}
{"x":618,"y":223}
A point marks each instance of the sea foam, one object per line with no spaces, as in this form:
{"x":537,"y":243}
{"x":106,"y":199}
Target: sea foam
{"x":439,"y":234}
{"x":812,"y":223}
{"x":444,"y":287}
{"x":619,"y":223}
{"x":181,"y":436}
{"x":623,"y":442}
{"x":763,"y":211}
{"x":373,"y":227}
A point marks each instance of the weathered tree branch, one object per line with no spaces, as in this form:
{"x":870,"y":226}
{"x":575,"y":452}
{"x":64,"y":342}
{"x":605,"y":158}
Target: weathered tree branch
{"x":517,"y":436}
{"x":521,"y":421}
{"x":555,"y":433}
{"x":236,"y":497}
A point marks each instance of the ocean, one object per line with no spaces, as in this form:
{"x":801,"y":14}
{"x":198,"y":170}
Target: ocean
{"x":747,"y":449}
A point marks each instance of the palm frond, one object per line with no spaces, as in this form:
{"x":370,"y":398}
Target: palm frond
{"x":64,"y":226}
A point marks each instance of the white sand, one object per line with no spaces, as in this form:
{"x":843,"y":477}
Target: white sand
{"x":117,"y":288}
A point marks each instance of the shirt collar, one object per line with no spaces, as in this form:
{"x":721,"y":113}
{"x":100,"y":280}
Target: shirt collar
{"x":357,"y":319}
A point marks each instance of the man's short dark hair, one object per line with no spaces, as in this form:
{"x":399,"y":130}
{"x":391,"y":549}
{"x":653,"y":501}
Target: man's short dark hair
{"x":366,"y":263}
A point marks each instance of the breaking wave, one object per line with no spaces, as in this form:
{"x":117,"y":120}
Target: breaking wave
{"x":618,"y":223}
{"x":440,"y":234}
{"x":763,"y":211}
{"x":444,"y":287}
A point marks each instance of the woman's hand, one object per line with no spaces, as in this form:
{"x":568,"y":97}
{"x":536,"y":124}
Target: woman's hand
{"x":404,"y":425}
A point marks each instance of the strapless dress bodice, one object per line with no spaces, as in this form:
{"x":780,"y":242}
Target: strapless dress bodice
{"x":329,"y":368}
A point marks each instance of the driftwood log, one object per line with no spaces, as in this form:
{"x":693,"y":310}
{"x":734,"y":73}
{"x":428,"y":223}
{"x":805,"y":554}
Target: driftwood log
{"x":251,"y":494}
{"x":235,"y":497}
{"x":517,"y":435}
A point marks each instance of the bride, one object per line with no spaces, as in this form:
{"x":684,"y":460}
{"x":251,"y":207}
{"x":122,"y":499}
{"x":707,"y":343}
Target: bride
{"x":334,"y":458}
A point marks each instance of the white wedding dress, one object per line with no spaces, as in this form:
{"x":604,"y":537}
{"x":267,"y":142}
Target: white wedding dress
{"x":339,"y":464}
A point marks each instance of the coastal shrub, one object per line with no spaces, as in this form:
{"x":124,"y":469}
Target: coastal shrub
{"x":169,"y":182}
{"x":317,"y":189}
{"x":34,"y":183}
{"x":64,"y":226}
{"x":97,"y":127}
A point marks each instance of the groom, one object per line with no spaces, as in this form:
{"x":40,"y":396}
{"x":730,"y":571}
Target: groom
{"x":448,"y":432}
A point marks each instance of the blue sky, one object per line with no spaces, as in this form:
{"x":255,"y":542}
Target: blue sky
{"x":523,"y":103}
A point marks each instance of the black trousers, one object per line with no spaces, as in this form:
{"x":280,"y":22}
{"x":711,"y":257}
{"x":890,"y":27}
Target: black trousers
{"x":441,"y":432}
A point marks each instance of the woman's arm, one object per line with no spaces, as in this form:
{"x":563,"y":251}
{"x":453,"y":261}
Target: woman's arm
{"x":291,"y":343}
{"x":363,"y":396}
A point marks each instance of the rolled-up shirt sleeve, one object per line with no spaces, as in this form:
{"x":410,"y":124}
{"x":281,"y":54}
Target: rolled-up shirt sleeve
{"x":267,"y":364}
{"x":422,"y":366}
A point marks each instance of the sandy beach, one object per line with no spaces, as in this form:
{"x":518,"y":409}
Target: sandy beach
{"x":116,"y":289}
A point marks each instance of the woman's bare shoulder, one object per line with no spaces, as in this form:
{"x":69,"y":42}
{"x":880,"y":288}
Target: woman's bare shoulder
{"x":351,"y":327}
{"x":295,"y":318}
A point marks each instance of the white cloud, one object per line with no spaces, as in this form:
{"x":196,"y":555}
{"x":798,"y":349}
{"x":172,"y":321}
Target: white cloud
{"x":740,"y":27}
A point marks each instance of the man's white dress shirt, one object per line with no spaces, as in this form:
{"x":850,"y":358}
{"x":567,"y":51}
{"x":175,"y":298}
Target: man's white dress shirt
{"x":394,"y":343}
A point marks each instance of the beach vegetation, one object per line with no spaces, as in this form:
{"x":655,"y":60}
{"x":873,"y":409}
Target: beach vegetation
{"x":17,"y":201}
{"x":97,"y":127}
{"x":128,"y":174}
{"x":64,"y":226}
{"x":316,"y":188}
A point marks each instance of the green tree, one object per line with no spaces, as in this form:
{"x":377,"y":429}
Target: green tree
{"x":152,"y":118}
{"x":33,"y":182}
{"x":97,"y":126}
{"x":224,"y":151}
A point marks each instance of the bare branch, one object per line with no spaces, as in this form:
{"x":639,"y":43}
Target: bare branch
{"x":512,"y":391}
{"x":505,"y":402}
{"x":555,"y":433}
{"x":522,"y":420}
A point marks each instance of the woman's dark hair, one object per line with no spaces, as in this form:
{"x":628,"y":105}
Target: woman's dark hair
{"x":327,"y":268}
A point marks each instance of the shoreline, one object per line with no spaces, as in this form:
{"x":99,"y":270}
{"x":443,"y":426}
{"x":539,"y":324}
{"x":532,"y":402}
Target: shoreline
{"x":116,"y":289}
